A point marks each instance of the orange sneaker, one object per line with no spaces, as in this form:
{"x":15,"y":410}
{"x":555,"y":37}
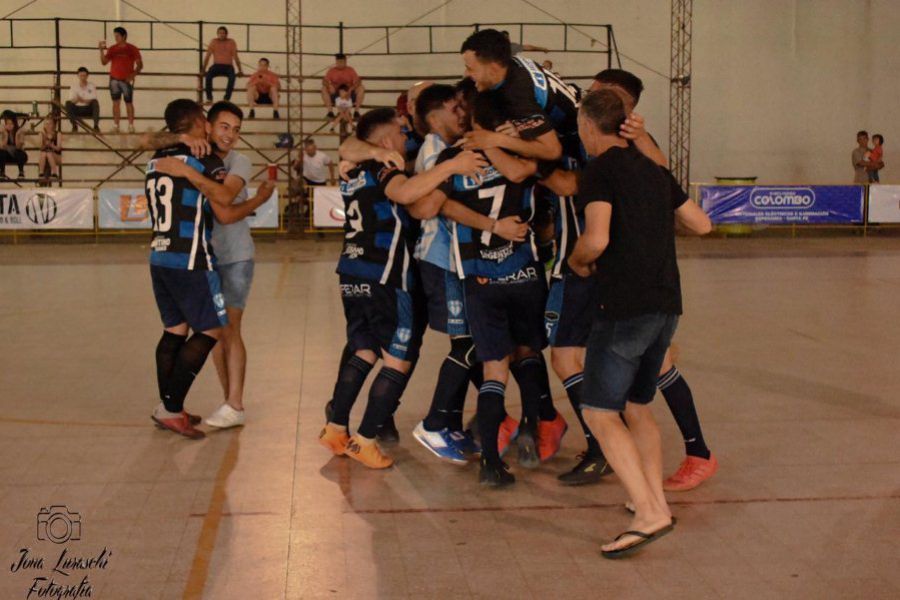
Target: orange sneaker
{"x":368,"y":454}
{"x":334,"y":439}
{"x":550,"y":434}
{"x":692,"y":472}
{"x":509,"y":429}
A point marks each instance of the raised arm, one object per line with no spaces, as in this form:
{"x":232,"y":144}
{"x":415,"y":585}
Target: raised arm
{"x":513,"y":168}
{"x":104,"y":59}
{"x":155,"y":140}
{"x":545,"y":147}
{"x":356,"y":150}
{"x":406,"y":190}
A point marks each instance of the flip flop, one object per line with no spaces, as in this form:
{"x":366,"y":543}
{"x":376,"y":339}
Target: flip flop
{"x":646,"y":538}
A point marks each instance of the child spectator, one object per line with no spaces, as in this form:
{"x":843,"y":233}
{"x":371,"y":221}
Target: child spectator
{"x":12,"y":144}
{"x":343,"y":104}
{"x":876,"y":158}
{"x":51,"y":149}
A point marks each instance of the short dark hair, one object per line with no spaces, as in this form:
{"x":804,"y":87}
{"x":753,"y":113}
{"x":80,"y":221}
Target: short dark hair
{"x":223,"y":106}
{"x":879,"y":137}
{"x":222,"y":28}
{"x":862,"y":132}
{"x":309,"y":141}
{"x":121,"y":31}
{"x":83,"y":70}
{"x":181,"y":113}
{"x":466,"y":87}
{"x":431,"y":99}
{"x":489,"y":45}
{"x":626,"y":80}
{"x":488,"y":109}
{"x":264,"y":59}
{"x":340,"y":56}
{"x":343,"y":87}
{"x":372,"y":120}
{"x":605,"y":109}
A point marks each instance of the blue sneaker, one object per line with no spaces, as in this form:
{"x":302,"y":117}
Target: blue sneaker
{"x":440,"y":443}
{"x":466,"y":443}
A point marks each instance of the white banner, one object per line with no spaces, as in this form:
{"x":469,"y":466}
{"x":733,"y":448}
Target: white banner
{"x":328,"y":207}
{"x":127,"y":209}
{"x":884,"y":203}
{"x":46,"y":208}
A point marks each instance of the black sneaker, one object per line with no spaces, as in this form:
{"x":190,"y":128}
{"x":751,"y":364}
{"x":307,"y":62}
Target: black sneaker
{"x":495,"y":474}
{"x":252,"y":114}
{"x":330,"y":114}
{"x":387,"y":433}
{"x":355,"y":115}
{"x":528,"y":453}
{"x":275,"y":114}
{"x":21,"y":175}
{"x":590,"y":469}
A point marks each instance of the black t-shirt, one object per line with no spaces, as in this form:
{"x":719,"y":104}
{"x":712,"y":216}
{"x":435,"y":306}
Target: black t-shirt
{"x":638,"y":271}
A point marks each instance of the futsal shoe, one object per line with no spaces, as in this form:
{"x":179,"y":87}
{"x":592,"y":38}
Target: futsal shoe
{"x":368,"y":454}
{"x":509,"y":430}
{"x":590,"y":469}
{"x":225,"y":417}
{"x":334,"y":438}
{"x":387,"y":433}
{"x":550,"y":434}
{"x":180,"y":424}
{"x":465,"y":441}
{"x":692,"y":472}
{"x":440,"y":443}
{"x":193,"y":419}
{"x":528,"y":454}
{"x":495,"y":474}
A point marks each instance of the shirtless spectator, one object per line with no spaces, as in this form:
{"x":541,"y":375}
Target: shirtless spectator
{"x":262,"y":88}
{"x":83,"y":101}
{"x":223,"y":51}
{"x":338,"y":75}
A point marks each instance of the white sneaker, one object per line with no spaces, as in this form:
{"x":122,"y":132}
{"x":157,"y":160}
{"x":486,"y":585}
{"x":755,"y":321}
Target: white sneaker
{"x":225,"y":417}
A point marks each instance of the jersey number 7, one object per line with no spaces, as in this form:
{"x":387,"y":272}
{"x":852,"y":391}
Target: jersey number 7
{"x":496,"y":193}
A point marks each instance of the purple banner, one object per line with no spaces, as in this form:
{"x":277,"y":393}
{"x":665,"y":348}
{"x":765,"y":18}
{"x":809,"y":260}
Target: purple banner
{"x":783,"y":205}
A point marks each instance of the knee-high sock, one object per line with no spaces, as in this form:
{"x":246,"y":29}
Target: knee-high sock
{"x":350,"y":380}
{"x":528,"y":375}
{"x":546,"y":409}
{"x":188,"y":363}
{"x":573,"y":389}
{"x":490,"y":416}
{"x":681,"y":402}
{"x":166,"y":353}
{"x":384,"y":397}
{"x":452,"y":382}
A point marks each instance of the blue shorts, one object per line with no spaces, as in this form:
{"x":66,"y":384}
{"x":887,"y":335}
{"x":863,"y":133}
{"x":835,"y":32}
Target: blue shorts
{"x":236,"y":280}
{"x":623,"y":360}
{"x":446,"y":299}
{"x":570,"y":310}
{"x":380,"y":317}
{"x":119,"y":88}
{"x":507,"y":313}
{"x":192,"y":297}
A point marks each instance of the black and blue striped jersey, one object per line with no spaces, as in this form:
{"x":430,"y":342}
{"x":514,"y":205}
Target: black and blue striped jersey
{"x":377,"y":241}
{"x":180,"y":216}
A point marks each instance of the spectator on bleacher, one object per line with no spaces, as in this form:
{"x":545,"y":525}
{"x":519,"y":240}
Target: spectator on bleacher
{"x":343,"y":104}
{"x":224,"y":52}
{"x":516,"y":48}
{"x":12,"y":144}
{"x":262,"y":88}
{"x":83,"y":101}
{"x":317,"y":167}
{"x":126,"y":64}
{"x":51,"y":149}
{"x":342,"y":74}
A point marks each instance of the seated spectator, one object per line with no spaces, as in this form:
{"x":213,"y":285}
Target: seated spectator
{"x":224,"y":51}
{"x":338,"y":75}
{"x":343,"y":104}
{"x":12,"y":144}
{"x":82,"y":100}
{"x":515,"y":48}
{"x":51,"y":149}
{"x":262,"y":88}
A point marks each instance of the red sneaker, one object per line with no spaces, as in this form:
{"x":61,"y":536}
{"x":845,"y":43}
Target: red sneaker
{"x":193,"y":419}
{"x":550,"y":434}
{"x":509,"y":429}
{"x":180,"y":425}
{"x":692,"y":472}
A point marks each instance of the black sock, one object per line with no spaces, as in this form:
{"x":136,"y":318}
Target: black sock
{"x":490,"y":416}
{"x":452,"y":382}
{"x":681,"y":402}
{"x":384,"y":397}
{"x":573,"y":389}
{"x":546,"y":409}
{"x":528,"y":375}
{"x":188,"y":363}
{"x":166,"y":353}
{"x":351,"y":378}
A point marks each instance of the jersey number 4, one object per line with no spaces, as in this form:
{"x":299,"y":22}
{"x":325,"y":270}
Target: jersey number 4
{"x":159,"y":200}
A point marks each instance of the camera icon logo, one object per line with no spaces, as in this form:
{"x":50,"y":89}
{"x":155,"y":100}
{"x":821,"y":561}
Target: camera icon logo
{"x":58,"y":524}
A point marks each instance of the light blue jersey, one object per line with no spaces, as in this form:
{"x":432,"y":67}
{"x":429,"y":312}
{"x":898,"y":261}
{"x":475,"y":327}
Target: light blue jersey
{"x":434,"y":243}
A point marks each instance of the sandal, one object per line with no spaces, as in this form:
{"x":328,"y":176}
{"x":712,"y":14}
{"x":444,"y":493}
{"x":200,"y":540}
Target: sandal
{"x":646,"y":538}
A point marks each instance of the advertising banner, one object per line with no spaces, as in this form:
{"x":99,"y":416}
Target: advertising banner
{"x":127,"y":209}
{"x":46,"y":208}
{"x":328,"y":207}
{"x":783,"y":205}
{"x":884,"y":204}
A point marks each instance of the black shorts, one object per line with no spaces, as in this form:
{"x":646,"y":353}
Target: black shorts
{"x":380,"y":318}
{"x":570,"y":310}
{"x":446,"y":299}
{"x":264,"y":98}
{"x":192,"y":297}
{"x":507,"y":313}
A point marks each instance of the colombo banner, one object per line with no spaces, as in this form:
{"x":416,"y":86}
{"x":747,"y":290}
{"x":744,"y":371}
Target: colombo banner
{"x":46,"y":208}
{"x":783,"y":205}
{"x":127,"y":209}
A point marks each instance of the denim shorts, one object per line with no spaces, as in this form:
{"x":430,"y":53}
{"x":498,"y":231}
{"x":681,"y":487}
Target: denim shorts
{"x":623,"y":360}
{"x":119,"y":88}
{"x":236,"y":280}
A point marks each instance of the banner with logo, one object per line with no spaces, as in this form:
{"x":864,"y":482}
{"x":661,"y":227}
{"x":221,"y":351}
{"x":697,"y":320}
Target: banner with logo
{"x":46,"y":208}
{"x":783,"y":205}
{"x":328,"y":207}
{"x":884,"y":204}
{"x":127,"y":209}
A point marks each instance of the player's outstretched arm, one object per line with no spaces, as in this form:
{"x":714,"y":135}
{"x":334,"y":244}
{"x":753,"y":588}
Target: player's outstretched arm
{"x":593,"y":240}
{"x":356,"y":150}
{"x":544,"y":147}
{"x":406,"y":190}
{"x":513,"y":168}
